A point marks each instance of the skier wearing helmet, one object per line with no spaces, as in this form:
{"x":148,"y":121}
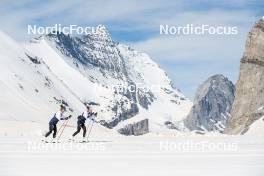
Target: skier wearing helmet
{"x":55,"y":119}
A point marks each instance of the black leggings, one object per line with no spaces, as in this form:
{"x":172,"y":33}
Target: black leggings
{"x":79,"y":126}
{"x":53,"y":128}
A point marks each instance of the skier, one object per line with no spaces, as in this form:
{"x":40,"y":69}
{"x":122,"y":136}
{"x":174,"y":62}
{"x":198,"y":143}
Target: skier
{"x":54,"y":120}
{"x":87,"y":114}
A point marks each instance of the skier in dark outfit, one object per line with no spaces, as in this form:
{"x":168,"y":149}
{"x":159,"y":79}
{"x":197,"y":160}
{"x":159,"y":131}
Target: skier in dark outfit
{"x":81,"y":121}
{"x":55,"y":119}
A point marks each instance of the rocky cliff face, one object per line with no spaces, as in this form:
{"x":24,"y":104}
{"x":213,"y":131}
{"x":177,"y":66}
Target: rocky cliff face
{"x":249,"y":96}
{"x":212,"y":105}
{"x":136,"y":129}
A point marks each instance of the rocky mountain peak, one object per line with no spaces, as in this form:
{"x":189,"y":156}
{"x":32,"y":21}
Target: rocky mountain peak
{"x":212,"y":104}
{"x":95,"y":50}
{"x":100,"y":33}
{"x":250,"y":86}
{"x":211,"y":84}
{"x":254,"y":44}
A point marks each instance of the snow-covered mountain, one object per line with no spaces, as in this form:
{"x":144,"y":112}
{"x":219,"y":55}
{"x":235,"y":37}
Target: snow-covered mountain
{"x":122,"y":84}
{"x":29,"y":90}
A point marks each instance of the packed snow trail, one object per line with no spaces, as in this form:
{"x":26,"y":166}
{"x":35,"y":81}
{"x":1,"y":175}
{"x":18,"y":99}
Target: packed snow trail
{"x":146,"y":155}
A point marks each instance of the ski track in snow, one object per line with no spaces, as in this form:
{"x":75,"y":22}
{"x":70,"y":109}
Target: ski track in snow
{"x":135,"y":156}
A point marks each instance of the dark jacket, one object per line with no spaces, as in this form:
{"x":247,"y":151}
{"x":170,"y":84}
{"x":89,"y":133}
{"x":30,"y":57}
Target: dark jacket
{"x":54,"y":120}
{"x":82,"y":119}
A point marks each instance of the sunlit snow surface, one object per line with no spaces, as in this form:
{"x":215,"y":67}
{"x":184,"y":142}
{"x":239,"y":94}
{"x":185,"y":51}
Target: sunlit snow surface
{"x":145,"y":155}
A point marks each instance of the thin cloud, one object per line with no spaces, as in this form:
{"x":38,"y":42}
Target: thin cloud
{"x":144,"y":17}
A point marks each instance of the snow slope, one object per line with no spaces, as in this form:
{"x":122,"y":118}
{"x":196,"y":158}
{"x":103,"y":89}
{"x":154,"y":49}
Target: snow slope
{"x":30,"y":92}
{"x":144,"y":155}
{"x":93,"y":67}
{"x":257,"y":128}
{"x":170,"y":104}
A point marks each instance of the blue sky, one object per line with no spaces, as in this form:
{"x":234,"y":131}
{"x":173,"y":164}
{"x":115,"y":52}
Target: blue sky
{"x":188,"y":60}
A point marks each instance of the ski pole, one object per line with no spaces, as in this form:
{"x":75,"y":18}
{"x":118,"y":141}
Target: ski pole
{"x":90,"y":129}
{"x":63,"y":128}
{"x":63,"y":124}
{"x":89,"y":125}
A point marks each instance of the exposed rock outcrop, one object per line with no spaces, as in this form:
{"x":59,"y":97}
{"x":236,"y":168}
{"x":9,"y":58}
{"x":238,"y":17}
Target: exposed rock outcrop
{"x":127,"y":77}
{"x":136,"y":129}
{"x":250,"y":86}
{"x":212,"y":105}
